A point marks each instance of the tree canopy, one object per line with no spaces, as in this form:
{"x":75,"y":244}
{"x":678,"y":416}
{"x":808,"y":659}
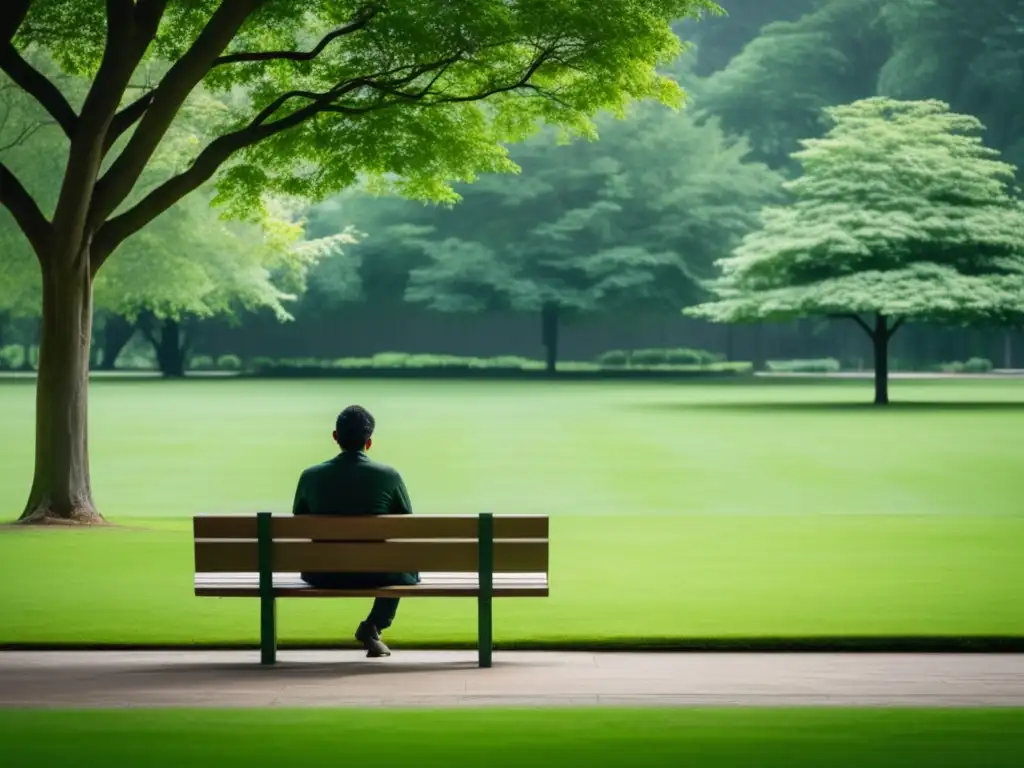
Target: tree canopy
{"x":775,"y":89}
{"x":824,"y":53}
{"x":633,"y":220}
{"x":900,"y":213}
{"x":318,"y":94}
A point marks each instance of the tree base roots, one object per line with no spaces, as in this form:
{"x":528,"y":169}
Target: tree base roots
{"x":77,"y":516}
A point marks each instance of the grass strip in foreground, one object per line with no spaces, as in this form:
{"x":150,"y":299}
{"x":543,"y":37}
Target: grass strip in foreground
{"x":500,"y":737}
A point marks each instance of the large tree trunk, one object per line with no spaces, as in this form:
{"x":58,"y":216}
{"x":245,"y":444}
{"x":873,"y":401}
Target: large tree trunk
{"x":759,"y":357}
{"x":880,"y":345}
{"x":61,"y":490}
{"x":880,"y":332}
{"x":168,"y":342}
{"x":117,"y":332}
{"x":171,"y":354}
{"x":549,"y":332}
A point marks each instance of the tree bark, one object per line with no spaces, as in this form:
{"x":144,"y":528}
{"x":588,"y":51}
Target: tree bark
{"x":117,"y":332}
{"x":759,"y":357}
{"x":549,"y":333}
{"x":166,"y":337}
{"x":1008,"y":349}
{"x":880,"y":333}
{"x":61,"y":490}
{"x":170,"y":354}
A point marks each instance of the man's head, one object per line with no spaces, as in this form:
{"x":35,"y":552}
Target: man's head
{"x":354,"y":428}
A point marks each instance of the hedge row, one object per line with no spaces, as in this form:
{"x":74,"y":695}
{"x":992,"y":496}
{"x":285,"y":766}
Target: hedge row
{"x":974,"y":365}
{"x":822,"y":365}
{"x":410,"y":362}
{"x":618,"y":358}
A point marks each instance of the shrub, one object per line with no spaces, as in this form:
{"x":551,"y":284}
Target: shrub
{"x":648,"y":357}
{"x":824,"y":365}
{"x":442,"y":361}
{"x":260,"y":363}
{"x":737,"y":367}
{"x":301,"y":362}
{"x":229,"y":363}
{"x":684,"y":356}
{"x":511,"y":361}
{"x":978,"y":365}
{"x":390,"y":359}
{"x":134,"y":360}
{"x":11,"y":357}
{"x":352,"y":362}
{"x":201,"y":363}
{"x":615,"y":358}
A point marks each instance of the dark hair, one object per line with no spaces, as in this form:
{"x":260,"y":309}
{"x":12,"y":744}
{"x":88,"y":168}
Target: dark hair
{"x":354,"y":427}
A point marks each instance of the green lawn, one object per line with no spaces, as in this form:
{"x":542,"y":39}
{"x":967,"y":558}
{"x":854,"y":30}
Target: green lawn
{"x":678,"y":511}
{"x":556,"y":738}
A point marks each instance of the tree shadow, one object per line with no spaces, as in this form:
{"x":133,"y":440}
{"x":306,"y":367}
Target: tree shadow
{"x":797,"y":407}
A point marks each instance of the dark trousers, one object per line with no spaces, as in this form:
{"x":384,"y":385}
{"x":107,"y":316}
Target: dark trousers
{"x":382,"y":614}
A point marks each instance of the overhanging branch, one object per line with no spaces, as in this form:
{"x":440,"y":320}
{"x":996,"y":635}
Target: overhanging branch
{"x":12,"y":14}
{"x":327,"y":98}
{"x":117,"y":229}
{"x":38,"y":86}
{"x":895,"y":327}
{"x":130,"y":28}
{"x":175,"y":87}
{"x":23,"y":208}
{"x":24,"y":135}
{"x":126,"y":118}
{"x":361,"y":20}
{"x":858,"y":320}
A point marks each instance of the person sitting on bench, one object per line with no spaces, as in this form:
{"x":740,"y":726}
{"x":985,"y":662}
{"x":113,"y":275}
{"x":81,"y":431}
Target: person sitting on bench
{"x":352,"y":484}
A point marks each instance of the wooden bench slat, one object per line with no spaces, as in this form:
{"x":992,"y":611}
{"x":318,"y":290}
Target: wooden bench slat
{"x":432,"y":585}
{"x":394,"y":527}
{"x":371,"y":557}
{"x":432,"y":577}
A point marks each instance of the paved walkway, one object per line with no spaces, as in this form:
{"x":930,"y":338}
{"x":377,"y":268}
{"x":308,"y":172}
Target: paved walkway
{"x":424,"y":678}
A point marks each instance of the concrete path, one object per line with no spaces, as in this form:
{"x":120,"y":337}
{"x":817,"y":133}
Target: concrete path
{"x":447,"y":679}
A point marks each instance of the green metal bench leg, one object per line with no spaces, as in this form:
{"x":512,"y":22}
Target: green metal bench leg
{"x":485,"y":566}
{"x":268,"y":630}
{"x":268,"y":603}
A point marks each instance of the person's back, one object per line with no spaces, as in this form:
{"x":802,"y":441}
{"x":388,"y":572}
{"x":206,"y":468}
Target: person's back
{"x":353,"y":485}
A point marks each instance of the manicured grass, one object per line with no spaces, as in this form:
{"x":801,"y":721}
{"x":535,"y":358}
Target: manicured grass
{"x":557,"y":738}
{"x":678,"y":511}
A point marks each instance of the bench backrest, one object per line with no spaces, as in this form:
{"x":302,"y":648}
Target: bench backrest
{"x":393,"y":543}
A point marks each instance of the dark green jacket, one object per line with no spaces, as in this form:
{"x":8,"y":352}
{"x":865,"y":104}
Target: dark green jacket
{"x":352,"y":484}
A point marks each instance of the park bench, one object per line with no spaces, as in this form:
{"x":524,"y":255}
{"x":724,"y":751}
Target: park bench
{"x":479,"y":556}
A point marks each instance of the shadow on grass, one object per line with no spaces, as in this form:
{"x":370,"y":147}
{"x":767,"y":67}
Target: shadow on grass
{"x":843,"y":407}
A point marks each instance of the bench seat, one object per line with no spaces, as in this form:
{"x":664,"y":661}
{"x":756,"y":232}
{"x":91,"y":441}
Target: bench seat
{"x":431,"y":585}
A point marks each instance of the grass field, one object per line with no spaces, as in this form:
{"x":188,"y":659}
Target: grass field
{"x":678,"y":510}
{"x":557,"y":738}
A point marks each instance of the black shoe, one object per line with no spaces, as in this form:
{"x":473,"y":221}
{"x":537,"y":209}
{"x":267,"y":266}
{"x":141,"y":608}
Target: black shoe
{"x":368,"y":635}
